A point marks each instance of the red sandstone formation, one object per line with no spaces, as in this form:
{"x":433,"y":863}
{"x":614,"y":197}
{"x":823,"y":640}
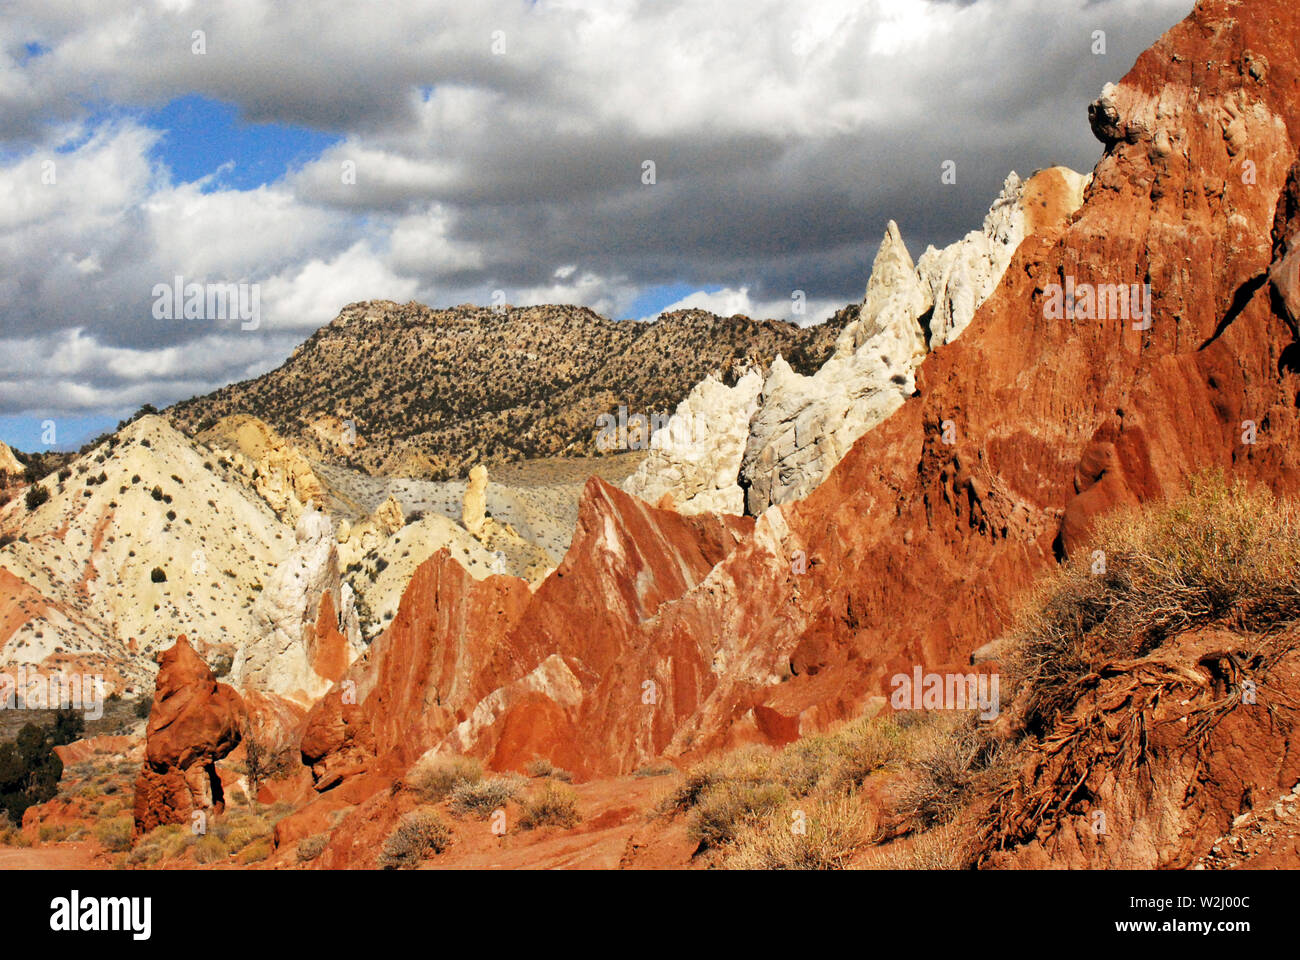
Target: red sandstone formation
{"x":195,"y":722}
{"x":666,"y":636}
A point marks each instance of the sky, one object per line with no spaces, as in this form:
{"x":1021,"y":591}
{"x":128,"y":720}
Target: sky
{"x":321,"y":152}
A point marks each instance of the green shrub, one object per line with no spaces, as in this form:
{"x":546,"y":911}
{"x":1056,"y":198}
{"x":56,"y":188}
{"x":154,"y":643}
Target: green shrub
{"x":36,"y":495}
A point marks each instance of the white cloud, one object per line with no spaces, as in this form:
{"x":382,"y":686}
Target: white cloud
{"x":785,"y":136}
{"x":728,"y":302}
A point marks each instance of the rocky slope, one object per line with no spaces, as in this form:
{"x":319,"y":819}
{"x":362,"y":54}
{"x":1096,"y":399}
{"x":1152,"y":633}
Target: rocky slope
{"x":771,"y":629}
{"x":149,"y":536}
{"x":429,"y":393}
{"x":9,"y":465}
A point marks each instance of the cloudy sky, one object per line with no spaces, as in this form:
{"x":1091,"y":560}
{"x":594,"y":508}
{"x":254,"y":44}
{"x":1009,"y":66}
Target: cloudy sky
{"x":338,"y":150}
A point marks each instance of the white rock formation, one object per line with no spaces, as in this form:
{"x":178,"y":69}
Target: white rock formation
{"x":281,"y":658}
{"x":962,"y":275}
{"x":473,"y":510}
{"x":805,"y":425}
{"x":695,"y":459}
{"x":357,"y":540}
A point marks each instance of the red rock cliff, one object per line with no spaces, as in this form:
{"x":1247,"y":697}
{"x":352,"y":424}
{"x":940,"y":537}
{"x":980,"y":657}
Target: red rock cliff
{"x":662,"y":635}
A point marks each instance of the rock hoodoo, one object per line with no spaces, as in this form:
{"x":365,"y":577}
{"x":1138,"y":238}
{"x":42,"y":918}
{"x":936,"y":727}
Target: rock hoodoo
{"x":195,"y":721}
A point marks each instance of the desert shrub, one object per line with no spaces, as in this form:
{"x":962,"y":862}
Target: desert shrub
{"x":54,"y":832}
{"x":264,"y":761}
{"x":10,"y":836}
{"x":726,"y":808}
{"x":255,"y":852}
{"x":538,"y":767}
{"x":655,"y":770}
{"x":1226,"y":552}
{"x":36,"y":495}
{"x":115,"y":834}
{"x":158,"y":575}
{"x":309,"y":848}
{"x":541,"y":767}
{"x":209,"y":849}
{"x":960,"y":758}
{"x":943,"y":848}
{"x":419,"y":835}
{"x":435,"y":779}
{"x":866,"y":746}
{"x":556,"y":805}
{"x":482,"y":797}
{"x":833,"y":832}
{"x":29,"y":768}
{"x":145,"y":854}
{"x":750,"y":765}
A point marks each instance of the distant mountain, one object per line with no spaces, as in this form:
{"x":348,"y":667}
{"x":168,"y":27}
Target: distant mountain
{"x":403,"y":389}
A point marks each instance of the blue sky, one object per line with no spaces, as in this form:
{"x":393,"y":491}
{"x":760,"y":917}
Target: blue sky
{"x":26,"y":433}
{"x":204,"y":136}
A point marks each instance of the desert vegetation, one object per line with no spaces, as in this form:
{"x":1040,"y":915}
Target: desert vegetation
{"x":932,"y":790}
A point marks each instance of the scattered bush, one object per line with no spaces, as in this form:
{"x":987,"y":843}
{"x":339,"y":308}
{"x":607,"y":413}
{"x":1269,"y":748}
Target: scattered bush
{"x":540,"y":767}
{"x":29,"y":768}
{"x":115,"y":834}
{"x":655,"y":770}
{"x":309,"y":848}
{"x":825,"y":837}
{"x":556,"y":805}
{"x":36,"y":495}
{"x":435,"y":779}
{"x":1224,"y":552}
{"x":255,"y":852}
{"x":209,"y":849}
{"x":482,"y":797}
{"x":726,"y":808}
{"x":158,"y":575}
{"x":419,"y":835}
